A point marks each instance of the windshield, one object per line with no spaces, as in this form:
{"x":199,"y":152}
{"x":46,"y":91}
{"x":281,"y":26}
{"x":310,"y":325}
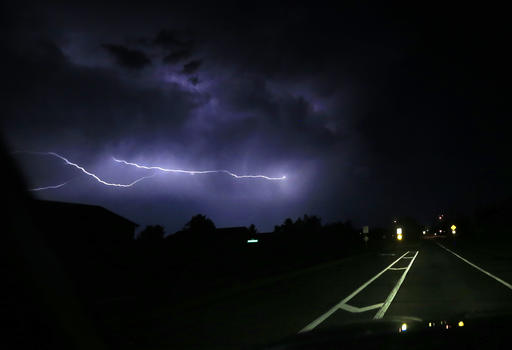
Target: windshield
{"x":207,"y":175}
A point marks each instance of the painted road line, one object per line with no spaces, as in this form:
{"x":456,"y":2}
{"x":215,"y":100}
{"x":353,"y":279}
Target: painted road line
{"x":355,"y":309}
{"x":397,"y":268}
{"x":506,"y":284}
{"x":332,"y":310}
{"x":392,"y":295}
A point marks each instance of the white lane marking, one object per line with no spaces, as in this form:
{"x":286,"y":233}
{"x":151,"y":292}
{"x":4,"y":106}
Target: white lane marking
{"x":397,"y":268}
{"x":506,"y":284}
{"x":392,"y":295}
{"x":326,"y":315}
{"x":387,"y":254}
{"x":355,"y":309}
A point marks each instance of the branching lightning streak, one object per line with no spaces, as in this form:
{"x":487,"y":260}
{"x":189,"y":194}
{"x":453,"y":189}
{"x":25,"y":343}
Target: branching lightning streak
{"x":48,"y":187}
{"x":87,"y":172}
{"x":193,"y":172}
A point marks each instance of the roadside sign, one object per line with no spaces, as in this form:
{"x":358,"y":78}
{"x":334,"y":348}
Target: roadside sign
{"x":366,"y":229}
{"x":453,"y":227}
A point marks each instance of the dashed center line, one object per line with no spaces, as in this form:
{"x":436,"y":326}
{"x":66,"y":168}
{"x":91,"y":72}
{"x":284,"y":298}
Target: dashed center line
{"x":342,"y":305}
{"x":392,"y":295}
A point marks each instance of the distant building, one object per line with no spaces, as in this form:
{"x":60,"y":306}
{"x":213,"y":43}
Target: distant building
{"x":232,"y":235}
{"x":231,"y":231}
{"x":74,"y":225}
{"x":240,"y":235}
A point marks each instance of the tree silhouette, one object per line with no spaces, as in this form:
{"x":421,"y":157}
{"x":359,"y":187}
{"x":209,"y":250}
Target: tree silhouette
{"x":305,"y":226}
{"x":252,"y":229}
{"x":199,"y":224}
{"x":152,"y":233}
{"x":287,"y":226}
{"x":311,"y":224}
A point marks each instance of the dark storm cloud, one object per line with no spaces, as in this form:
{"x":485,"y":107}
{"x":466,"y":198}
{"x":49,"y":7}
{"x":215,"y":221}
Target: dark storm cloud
{"x":175,"y":57}
{"x":264,"y":128}
{"x":173,"y":45}
{"x":371,"y":111}
{"x":192,"y":66}
{"x":128,"y":58}
{"x":92,"y":107}
{"x":45,"y":52}
{"x":407,"y":91}
{"x":168,"y":39}
{"x":193,"y":80}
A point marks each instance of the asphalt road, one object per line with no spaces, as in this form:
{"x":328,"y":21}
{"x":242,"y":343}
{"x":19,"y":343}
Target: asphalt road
{"x":421,"y":280}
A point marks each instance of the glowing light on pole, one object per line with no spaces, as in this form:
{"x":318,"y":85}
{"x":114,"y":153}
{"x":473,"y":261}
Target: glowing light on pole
{"x":194,"y":172}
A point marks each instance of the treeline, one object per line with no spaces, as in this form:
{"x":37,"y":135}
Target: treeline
{"x":200,"y":226}
{"x":201,"y":256}
{"x":307,"y":230}
{"x":490,"y":221}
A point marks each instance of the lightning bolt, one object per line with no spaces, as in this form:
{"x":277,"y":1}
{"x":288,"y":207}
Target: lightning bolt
{"x":193,"y":172}
{"x":48,"y":187}
{"x":82,"y":169}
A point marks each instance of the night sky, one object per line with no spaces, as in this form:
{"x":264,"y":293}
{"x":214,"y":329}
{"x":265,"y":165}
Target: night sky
{"x":370,"y":112}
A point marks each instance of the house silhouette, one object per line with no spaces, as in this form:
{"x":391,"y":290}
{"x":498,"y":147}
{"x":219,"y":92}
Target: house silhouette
{"x":232,"y":235}
{"x":76,"y":226}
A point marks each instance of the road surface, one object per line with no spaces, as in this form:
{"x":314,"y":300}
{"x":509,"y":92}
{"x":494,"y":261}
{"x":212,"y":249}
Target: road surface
{"x":423,"y":280}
